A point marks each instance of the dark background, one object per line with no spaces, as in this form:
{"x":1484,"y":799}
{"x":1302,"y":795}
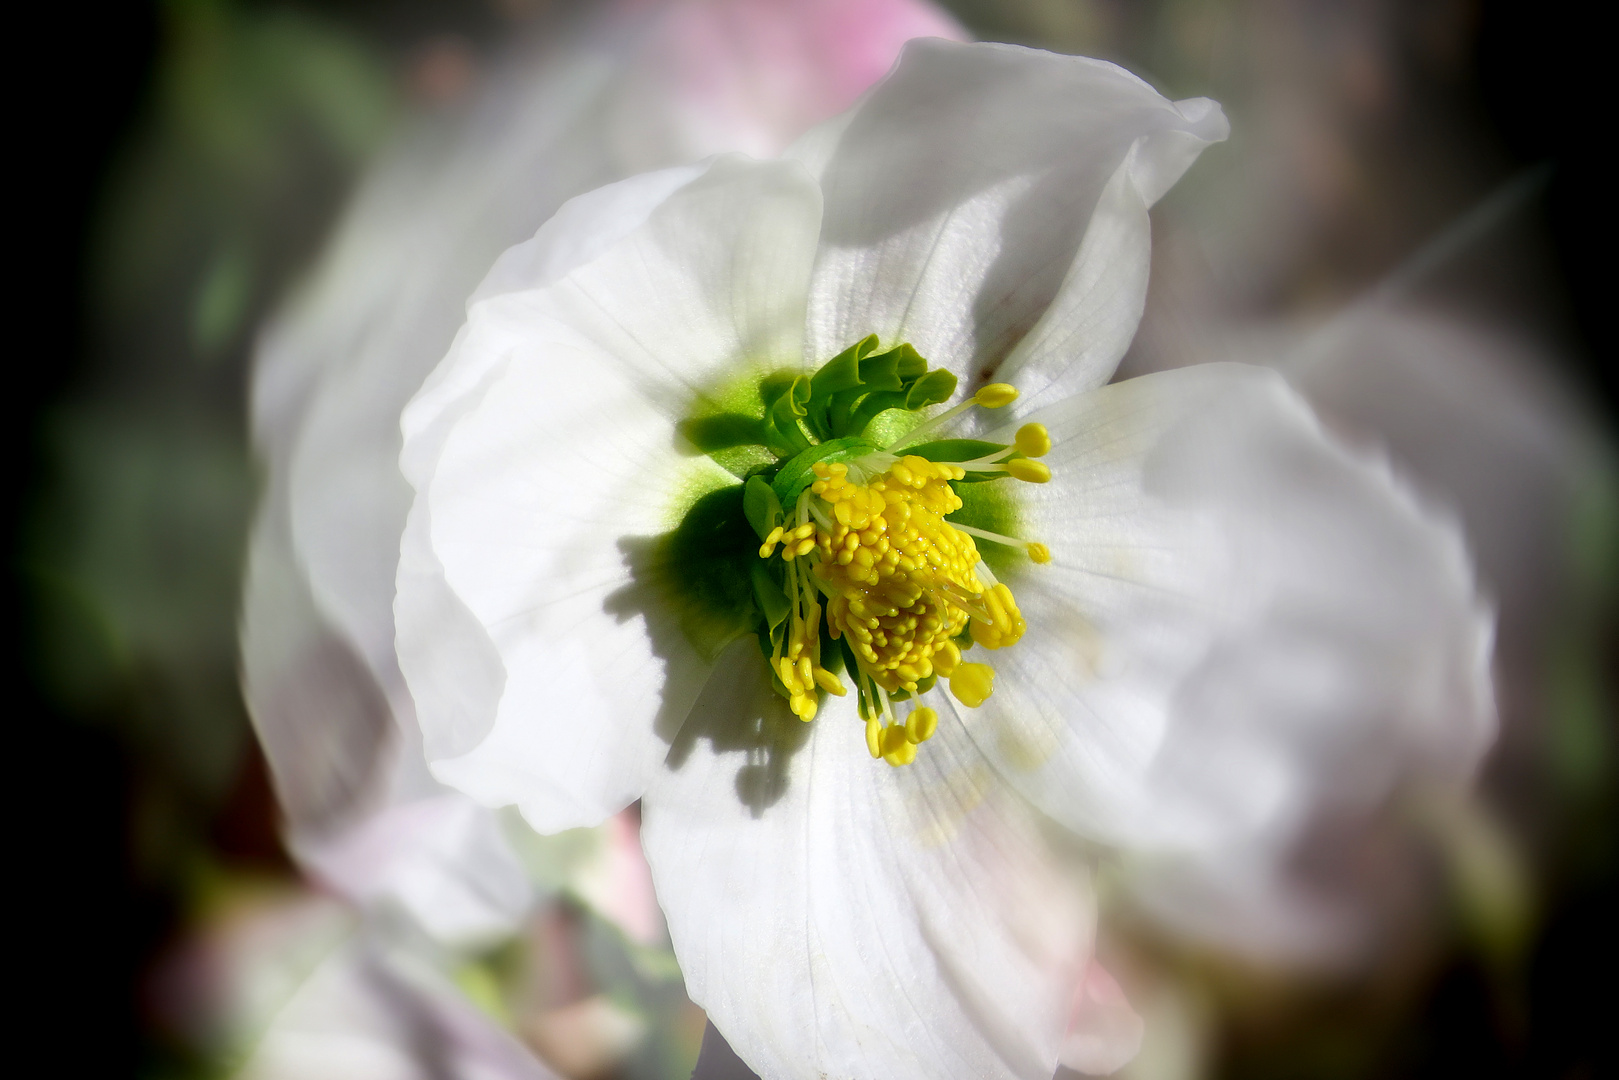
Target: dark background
{"x":90,"y":921}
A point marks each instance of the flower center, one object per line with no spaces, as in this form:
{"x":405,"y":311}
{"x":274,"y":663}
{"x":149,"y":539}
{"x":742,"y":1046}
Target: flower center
{"x":900,"y":579}
{"x":873,"y":580}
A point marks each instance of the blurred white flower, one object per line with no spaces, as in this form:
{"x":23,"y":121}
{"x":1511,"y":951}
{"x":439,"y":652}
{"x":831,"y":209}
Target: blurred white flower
{"x":631,"y":86}
{"x":1471,"y":416}
{"x":1232,"y":602}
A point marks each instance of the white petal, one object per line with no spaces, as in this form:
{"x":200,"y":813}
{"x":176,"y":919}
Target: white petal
{"x":331,"y":376}
{"x":962,"y":189}
{"x":532,"y":629}
{"x":1241,"y":622}
{"x":442,"y":859}
{"x":839,"y":917}
{"x":1104,"y":1032}
{"x":360,"y":811}
{"x":1465,"y":413}
{"x":368,"y":1013}
{"x":1248,"y":898}
{"x":321,"y":717}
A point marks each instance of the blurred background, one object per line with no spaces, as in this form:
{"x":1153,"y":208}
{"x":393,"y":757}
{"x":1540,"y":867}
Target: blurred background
{"x":1410,"y":219}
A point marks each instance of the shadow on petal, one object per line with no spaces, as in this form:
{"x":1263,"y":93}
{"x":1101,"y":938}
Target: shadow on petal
{"x":691,"y":588}
{"x":739,"y":713}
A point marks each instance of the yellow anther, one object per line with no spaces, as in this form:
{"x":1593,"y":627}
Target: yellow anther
{"x":1039,"y":553}
{"x":830,"y":682}
{"x":769,"y":546}
{"x":897,"y":749}
{"x":996,"y":395}
{"x":1033,"y":472}
{"x":971,"y":684}
{"x":1033,"y":440}
{"x":901,"y":586}
{"x":1007,"y":623}
{"x":921,"y":724}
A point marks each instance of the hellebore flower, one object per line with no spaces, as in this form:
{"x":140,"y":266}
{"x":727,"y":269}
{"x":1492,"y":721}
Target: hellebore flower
{"x":634,"y":86}
{"x":687,"y":530}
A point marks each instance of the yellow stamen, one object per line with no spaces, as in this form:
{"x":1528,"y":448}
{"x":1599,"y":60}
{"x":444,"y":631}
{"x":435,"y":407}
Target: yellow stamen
{"x":830,"y":682}
{"x":1033,"y":440}
{"x":996,"y":395}
{"x":909,"y":585}
{"x":905,"y":589}
{"x":972,"y":684}
{"x":1027,"y":470}
{"x":1007,"y":624}
{"x":897,"y":749}
{"x":921,"y":724}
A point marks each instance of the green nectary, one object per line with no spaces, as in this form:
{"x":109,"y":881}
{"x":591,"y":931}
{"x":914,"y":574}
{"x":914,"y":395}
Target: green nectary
{"x":773,"y":434}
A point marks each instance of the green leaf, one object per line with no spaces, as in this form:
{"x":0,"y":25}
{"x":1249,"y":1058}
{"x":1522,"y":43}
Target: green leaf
{"x":761,"y":506}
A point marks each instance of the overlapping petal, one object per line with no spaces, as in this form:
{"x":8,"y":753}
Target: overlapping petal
{"x":837,"y":917}
{"x":557,"y":468}
{"x":983,"y":192}
{"x":1241,"y":620}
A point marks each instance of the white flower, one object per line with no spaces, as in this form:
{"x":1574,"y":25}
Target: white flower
{"x":633,"y":87}
{"x":1227,"y":590}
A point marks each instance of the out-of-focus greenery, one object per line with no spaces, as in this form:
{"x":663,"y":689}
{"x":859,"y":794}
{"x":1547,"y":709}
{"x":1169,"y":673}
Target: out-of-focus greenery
{"x":257,"y":121}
